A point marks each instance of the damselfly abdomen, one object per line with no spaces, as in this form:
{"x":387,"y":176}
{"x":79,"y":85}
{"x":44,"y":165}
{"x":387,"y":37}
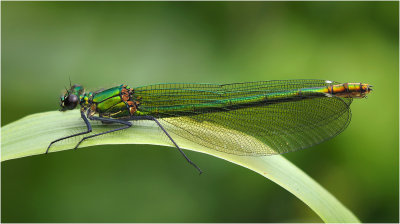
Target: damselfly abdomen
{"x":285,"y":115}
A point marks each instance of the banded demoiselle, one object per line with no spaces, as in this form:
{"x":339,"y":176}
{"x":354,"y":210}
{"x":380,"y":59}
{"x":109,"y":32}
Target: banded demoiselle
{"x":285,"y":115}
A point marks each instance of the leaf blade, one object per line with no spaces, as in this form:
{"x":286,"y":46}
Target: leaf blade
{"x":32,"y":134}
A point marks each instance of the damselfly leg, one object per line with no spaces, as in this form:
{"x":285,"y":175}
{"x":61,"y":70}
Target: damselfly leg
{"x":89,"y":129}
{"x":107,"y":120}
{"x":169,"y":136}
{"x":127,"y":125}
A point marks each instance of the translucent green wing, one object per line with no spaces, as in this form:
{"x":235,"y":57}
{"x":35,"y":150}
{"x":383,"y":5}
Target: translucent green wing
{"x":282,"y":127}
{"x":267,"y":128}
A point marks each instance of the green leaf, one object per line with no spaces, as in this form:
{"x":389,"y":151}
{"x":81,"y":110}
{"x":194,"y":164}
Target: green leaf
{"x":31,"y":136}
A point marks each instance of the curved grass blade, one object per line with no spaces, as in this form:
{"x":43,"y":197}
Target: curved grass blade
{"x":32,"y":134}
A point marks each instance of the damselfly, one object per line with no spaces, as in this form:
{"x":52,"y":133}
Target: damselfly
{"x":285,"y":115}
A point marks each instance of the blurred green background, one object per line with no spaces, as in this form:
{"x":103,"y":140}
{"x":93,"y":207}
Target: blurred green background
{"x":101,"y":44}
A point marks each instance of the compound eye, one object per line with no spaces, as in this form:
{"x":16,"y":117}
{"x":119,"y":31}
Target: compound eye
{"x":71,"y":102}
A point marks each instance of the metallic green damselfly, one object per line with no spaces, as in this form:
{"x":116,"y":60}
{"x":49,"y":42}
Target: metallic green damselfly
{"x":286,"y":115}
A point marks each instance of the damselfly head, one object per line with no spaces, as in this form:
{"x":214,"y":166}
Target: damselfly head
{"x":71,"y":98}
{"x":69,"y":102}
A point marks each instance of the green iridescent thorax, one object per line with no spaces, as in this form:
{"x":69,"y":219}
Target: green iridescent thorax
{"x":107,"y":99}
{"x":105,"y":94}
{"x":114,"y":102}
